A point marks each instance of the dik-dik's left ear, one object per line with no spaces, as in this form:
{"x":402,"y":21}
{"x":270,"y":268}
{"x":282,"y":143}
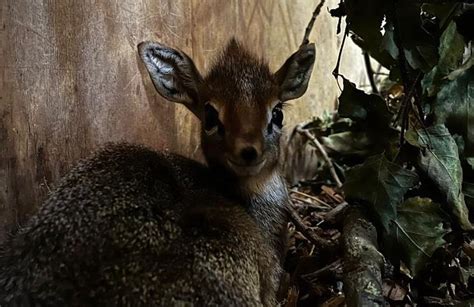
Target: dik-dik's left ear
{"x":293,"y":77}
{"x":173,"y":73}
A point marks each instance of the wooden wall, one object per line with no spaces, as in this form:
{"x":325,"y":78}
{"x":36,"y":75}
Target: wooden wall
{"x":70,"y":78}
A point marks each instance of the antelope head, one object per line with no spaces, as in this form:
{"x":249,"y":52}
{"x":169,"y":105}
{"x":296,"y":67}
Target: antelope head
{"x":239,"y":102}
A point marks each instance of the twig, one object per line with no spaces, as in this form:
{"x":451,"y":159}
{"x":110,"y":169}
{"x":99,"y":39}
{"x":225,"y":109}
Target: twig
{"x":370,"y":73}
{"x":310,"y":25}
{"x":309,"y":204}
{"x":332,"y":214}
{"x":305,"y":230}
{"x":341,"y":11}
{"x":335,"y":72}
{"x":406,"y":107}
{"x":320,"y":147}
{"x":404,"y":101}
{"x":331,"y":194}
{"x":402,"y":64}
{"x":419,"y":115}
{"x":405,"y":122}
{"x":315,"y":198}
{"x":330,"y":267}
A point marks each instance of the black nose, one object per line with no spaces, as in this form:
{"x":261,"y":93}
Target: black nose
{"x":248,"y":154}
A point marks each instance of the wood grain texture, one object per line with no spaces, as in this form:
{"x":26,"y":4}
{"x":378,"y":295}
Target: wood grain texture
{"x":71,"y":79}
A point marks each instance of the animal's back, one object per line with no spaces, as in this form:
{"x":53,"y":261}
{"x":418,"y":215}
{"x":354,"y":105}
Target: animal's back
{"x":133,"y":226}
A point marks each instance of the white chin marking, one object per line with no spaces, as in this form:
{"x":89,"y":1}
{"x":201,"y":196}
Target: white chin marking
{"x":246,"y":170}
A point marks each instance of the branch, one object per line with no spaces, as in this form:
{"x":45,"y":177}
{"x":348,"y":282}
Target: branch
{"x":335,"y":72}
{"x":363,"y":262}
{"x":370,"y":73}
{"x":339,"y":12}
{"x":404,"y":71}
{"x":305,"y":230}
{"x":310,"y":25}
{"x":330,"y":267}
{"x":323,"y":152}
{"x":334,"y":213}
{"x":315,"y":198}
{"x":308,"y":203}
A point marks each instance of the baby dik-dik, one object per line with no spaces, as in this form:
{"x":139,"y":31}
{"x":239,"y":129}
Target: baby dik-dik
{"x":131,"y":226}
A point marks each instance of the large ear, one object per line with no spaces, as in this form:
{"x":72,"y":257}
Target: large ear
{"x":293,"y":76}
{"x":173,"y":73}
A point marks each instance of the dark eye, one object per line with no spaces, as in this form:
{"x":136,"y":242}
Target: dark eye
{"x":277,"y":115}
{"x":277,"y":118}
{"x":212,"y":124}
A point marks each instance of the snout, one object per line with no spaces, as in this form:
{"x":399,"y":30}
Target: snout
{"x":246,"y":161}
{"x":246,"y":169}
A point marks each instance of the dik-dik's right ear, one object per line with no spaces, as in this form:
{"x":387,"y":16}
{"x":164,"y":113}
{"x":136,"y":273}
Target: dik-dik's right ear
{"x":293,"y":77}
{"x":173,"y":73}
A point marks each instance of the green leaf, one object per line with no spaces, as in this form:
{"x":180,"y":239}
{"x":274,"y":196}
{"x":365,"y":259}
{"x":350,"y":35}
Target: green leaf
{"x":347,"y":143}
{"x":451,"y":49}
{"x":410,"y":25}
{"x":388,"y":41}
{"x":364,"y":143}
{"x":359,"y":106}
{"x":464,"y":67}
{"x":364,"y":18}
{"x":439,"y":159}
{"x":419,"y":47}
{"x":460,"y":144}
{"x":419,"y":231}
{"x":454,"y":107}
{"x":380,"y":183}
{"x":377,"y":51}
{"x":470,"y":161}
{"x":419,"y":56}
{"x":468,"y":190}
{"x":423,"y":58}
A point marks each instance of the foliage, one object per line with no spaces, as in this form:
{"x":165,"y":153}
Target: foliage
{"x":359,"y":106}
{"x":451,"y":50}
{"x":410,"y":158}
{"x":438,"y":158}
{"x":415,"y":216}
{"x":388,"y":183}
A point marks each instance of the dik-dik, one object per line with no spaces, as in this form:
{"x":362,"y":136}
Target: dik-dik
{"x":131,"y":226}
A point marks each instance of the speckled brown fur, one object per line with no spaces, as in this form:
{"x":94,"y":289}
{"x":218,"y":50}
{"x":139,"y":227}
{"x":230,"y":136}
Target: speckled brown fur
{"x":134,"y":227}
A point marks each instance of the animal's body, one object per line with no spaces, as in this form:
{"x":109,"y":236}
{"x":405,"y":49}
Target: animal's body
{"x":131,"y":226}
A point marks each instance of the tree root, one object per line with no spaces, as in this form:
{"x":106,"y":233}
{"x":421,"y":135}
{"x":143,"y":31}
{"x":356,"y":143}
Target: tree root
{"x":362,"y":261}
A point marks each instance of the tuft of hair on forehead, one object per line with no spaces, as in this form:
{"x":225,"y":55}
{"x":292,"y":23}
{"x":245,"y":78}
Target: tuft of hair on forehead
{"x":238,"y":76}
